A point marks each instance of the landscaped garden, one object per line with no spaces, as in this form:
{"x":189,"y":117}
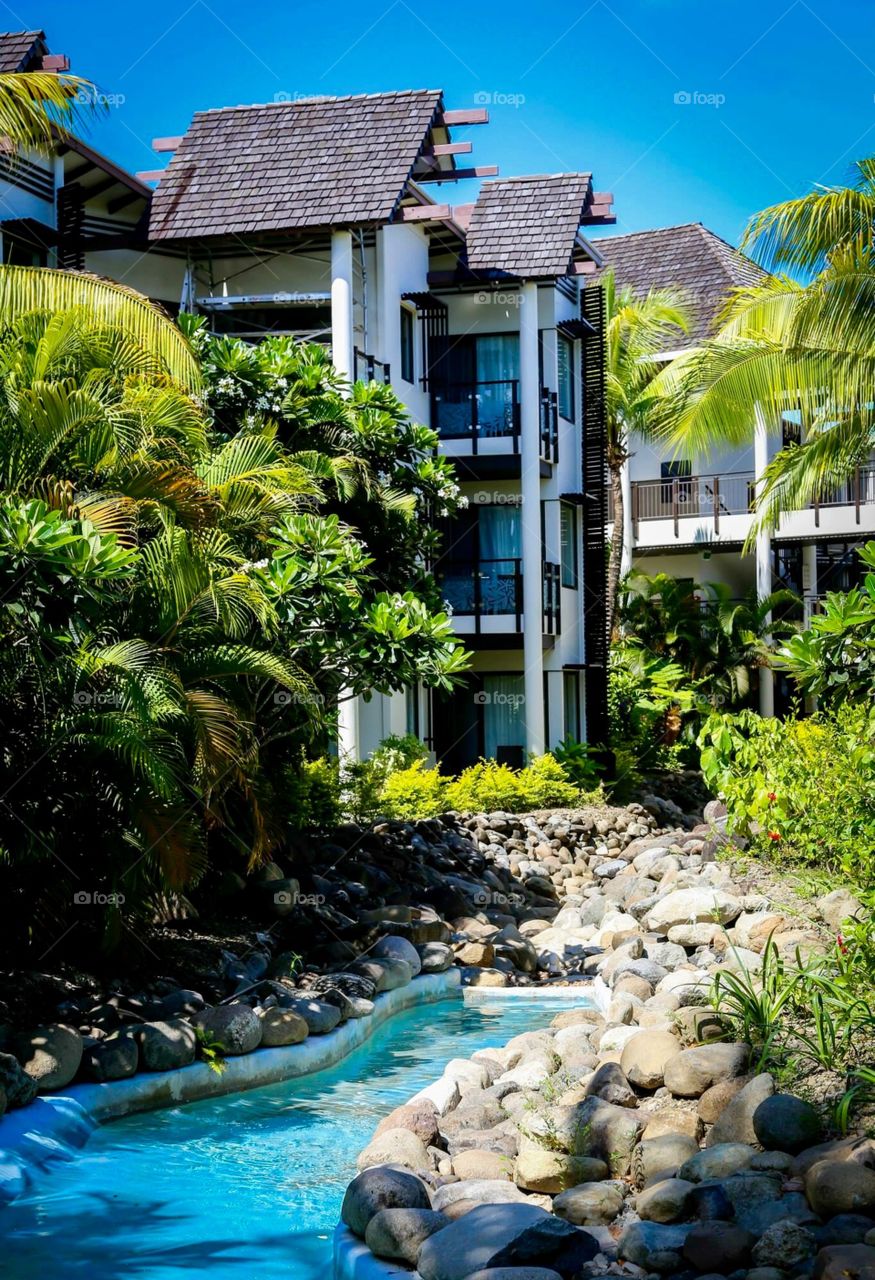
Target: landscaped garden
{"x":664,"y":1061}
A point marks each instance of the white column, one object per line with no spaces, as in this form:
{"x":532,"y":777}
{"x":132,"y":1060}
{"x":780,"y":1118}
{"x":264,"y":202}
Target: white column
{"x":530,"y":450}
{"x":809,"y":570}
{"x":763,"y":551}
{"x":628,"y":532}
{"x":342,"y":342}
{"x":343,"y":358}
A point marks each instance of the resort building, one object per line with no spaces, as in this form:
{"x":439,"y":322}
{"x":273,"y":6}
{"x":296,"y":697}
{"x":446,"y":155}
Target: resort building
{"x":690,"y":516}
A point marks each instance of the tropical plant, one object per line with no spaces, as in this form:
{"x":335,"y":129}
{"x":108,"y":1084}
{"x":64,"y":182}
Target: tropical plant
{"x":834,"y":660}
{"x":637,"y":331}
{"x":39,"y":109}
{"x":785,"y":346}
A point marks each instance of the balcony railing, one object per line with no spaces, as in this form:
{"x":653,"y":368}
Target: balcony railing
{"x":478,"y":411}
{"x":857,"y":492}
{"x":369,"y":369}
{"x":494,"y":588}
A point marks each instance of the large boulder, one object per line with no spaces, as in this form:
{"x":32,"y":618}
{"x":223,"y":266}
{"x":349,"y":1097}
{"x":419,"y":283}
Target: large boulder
{"x":18,"y":1087}
{"x":165,"y":1046}
{"x":590,"y":1204}
{"x":395,"y":1146}
{"x":50,"y":1055}
{"x":785,"y":1245}
{"x":501,"y":1235}
{"x":718,"y":1246}
{"x":393,"y":947}
{"x":840,"y":1186}
{"x":381,"y":1188}
{"x":610,"y":1084}
{"x":232,"y":1029}
{"x":420,"y":1117}
{"x":735,"y":1122}
{"x":664,"y":1201}
{"x":319,"y":1016}
{"x":838,"y":907}
{"x":655,"y":1246}
{"x":435,"y":957}
{"x":553,"y":1171}
{"x":114,"y":1058}
{"x":693,"y":906}
{"x":845,"y":1262}
{"x":786,"y":1123}
{"x":690,"y":1072}
{"x":398,"y":1234}
{"x":281,"y":1027}
{"x":644,"y":1057}
{"x":716,"y":1162}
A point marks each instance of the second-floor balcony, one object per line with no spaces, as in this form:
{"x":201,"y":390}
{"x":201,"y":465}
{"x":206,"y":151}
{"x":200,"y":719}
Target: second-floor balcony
{"x":483,"y":418}
{"x":487,"y":596}
{"x":718,"y":508}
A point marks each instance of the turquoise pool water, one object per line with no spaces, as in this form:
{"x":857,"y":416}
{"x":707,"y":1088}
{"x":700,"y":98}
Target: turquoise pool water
{"x":246,"y":1187}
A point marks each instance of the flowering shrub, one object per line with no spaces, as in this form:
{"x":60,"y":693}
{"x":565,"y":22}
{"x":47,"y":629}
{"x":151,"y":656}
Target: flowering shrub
{"x":804,"y":786}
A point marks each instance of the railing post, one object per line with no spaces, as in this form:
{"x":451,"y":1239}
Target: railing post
{"x":635,"y":508}
{"x":715,"y":498}
{"x":817,"y":511}
{"x":478,"y":595}
{"x":675,"y":505}
{"x":475,"y":418}
{"x":857,"y":493}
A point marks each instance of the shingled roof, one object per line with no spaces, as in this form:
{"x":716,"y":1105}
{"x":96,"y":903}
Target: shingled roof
{"x":312,"y":163}
{"x":527,"y":226}
{"x":17,"y":51}
{"x":688,"y":257}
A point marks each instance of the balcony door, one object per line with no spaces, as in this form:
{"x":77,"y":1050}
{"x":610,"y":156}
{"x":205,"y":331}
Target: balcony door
{"x":504,"y":721}
{"x":500,"y":553}
{"x":476,"y":383}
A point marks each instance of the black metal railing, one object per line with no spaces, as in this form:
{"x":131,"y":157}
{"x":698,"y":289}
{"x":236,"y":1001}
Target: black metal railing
{"x":552,"y":598}
{"x":486,"y":588}
{"x":369,"y":369}
{"x":477,"y":411}
{"x":549,"y":425}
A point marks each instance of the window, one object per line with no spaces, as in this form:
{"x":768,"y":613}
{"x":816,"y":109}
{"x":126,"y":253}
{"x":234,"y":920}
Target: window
{"x":408,"y":347}
{"x":565,"y":355}
{"x":20,"y":253}
{"x":571,"y":704}
{"x":681,"y":469}
{"x":503,"y":701}
{"x":568,"y":544}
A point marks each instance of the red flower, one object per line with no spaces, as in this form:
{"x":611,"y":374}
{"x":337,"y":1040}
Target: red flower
{"x":772,"y":797}
{"x":842,"y":946}
{"x":774,"y":835}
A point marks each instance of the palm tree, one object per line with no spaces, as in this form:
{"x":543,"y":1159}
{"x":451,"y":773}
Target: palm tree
{"x":785,"y":346}
{"x":637,"y":331}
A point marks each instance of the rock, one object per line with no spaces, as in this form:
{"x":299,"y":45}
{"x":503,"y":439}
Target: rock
{"x":838,"y":907}
{"x":381,"y":1188}
{"x":693,"y":906}
{"x":319,"y":1016}
{"x":435,"y":957}
{"x":181,"y":1003}
{"x":591,"y":1204}
{"x":716,"y":1099}
{"x":786,"y":1123}
{"x":478,"y":1191}
{"x":393,"y":947}
{"x":419,"y":1117}
{"x":395,"y":1146}
{"x":664,"y":1201}
{"x":660,"y":1156}
{"x":515,"y":1273}
{"x":644,"y":1057}
{"x":18,"y":1087}
{"x":479,"y":955}
{"x":477,"y":1163}
{"x":692,"y":1071}
{"x":840,"y":1186}
{"x":846,"y":1228}
{"x":114,"y":1058}
{"x":232,"y":1029}
{"x":610,"y":1084}
{"x":165,"y":1046}
{"x":716,"y":1162}
{"x":654,"y":1246}
{"x":554,"y":1171}
{"x":845,"y":1262}
{"x":471,"y":1077}
{"x":784,"y":1245}
{"x":500,"y":1235}
{"x":718,"y":1247}
{"x":50,"y":1055}
{"x":709,"y":1202}
{"x":474,"y":977}
{"x":735,"y":1122}
{"x":399,"y":1234}
{"x":281,"y":1026}
{"x":396,"y":973}
{"x":695,"y":935}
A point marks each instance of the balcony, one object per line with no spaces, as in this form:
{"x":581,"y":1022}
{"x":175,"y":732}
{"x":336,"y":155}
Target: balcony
{"x":718,"y":508}
{"x":486,"y":598}
{"x":369,"y":369}
{"x":479,"y":412}
{"x":549,"y":426}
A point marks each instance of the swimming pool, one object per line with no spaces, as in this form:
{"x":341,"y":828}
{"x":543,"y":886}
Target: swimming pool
{"x":249,"y":1185}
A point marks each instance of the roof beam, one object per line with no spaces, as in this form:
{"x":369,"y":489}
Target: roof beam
{"x":167,"y":144}
{"x":456,"y":175}
{"x":586,"y":267}
{"x":425,"y":212}
{"x":150,"y":175}
{"x":600,"y":220}
{"x":471,"y":115}
{"x":450,"y":149}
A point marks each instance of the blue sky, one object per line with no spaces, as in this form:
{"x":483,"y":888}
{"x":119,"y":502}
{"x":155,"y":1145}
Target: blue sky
{"x":685,"y":110}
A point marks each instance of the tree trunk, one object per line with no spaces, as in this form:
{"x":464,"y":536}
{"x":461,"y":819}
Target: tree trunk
{"x":616,"y":557}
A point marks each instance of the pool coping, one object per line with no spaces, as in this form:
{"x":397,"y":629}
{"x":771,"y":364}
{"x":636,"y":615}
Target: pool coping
{"x":35,"y":1136}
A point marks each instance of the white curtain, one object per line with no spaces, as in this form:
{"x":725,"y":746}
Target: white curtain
{"x":504,"y":721}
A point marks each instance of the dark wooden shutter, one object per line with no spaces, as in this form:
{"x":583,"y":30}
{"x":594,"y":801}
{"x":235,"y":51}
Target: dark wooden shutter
{"x":595,"y":515}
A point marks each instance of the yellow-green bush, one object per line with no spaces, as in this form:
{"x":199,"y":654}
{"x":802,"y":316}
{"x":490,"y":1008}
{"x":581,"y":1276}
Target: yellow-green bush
{"x":419,"y":792}
{"x":413,"y":793}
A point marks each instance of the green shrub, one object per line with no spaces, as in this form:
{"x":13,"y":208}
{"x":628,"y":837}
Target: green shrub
{"x":546,"y":784}
{"x":416,"y":792}
{"x":312,"y":794}
{"x":808,"y":784}
{"x":578,"y":762}
{"x":484,"y":786}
